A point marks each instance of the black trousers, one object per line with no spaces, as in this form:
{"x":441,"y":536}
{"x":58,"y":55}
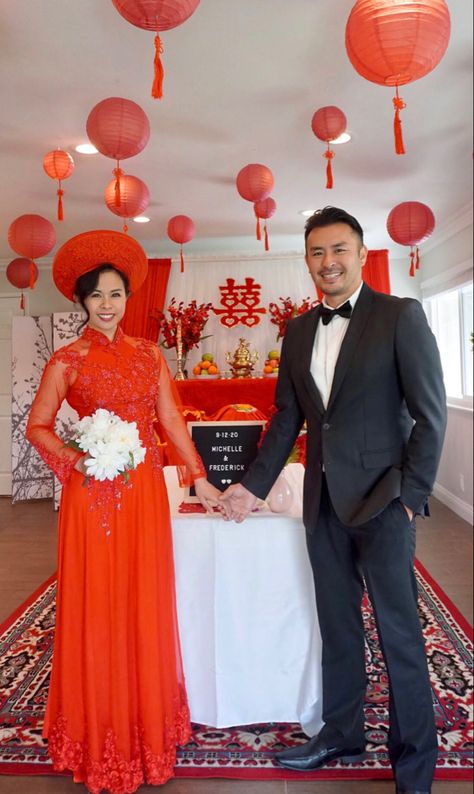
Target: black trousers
{"x":380,"y":552}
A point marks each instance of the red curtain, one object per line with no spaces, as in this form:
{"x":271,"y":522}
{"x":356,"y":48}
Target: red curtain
{"x":151,"y":295}
{"x":375,"y":272}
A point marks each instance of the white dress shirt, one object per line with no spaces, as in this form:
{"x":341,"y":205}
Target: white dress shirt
{"x":327,"y":344}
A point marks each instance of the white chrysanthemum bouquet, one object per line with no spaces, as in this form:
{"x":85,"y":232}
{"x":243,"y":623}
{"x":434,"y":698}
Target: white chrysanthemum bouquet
{"x":113,"y":445}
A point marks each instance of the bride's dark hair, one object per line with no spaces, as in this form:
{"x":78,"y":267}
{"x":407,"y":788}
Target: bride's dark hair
{"x":87,"y":283}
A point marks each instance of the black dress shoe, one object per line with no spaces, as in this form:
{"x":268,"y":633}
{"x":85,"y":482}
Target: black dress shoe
{"x":412,"y":791}
{"x":315,"y":753}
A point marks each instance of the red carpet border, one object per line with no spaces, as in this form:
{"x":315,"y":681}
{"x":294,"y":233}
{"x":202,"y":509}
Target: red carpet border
{"x":246,"y":752}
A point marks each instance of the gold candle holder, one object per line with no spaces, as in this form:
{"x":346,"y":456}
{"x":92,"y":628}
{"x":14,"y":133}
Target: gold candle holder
{"x":180,"y":359}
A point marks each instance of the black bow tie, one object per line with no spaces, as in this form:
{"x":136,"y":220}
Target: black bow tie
{"x":327,"y":314}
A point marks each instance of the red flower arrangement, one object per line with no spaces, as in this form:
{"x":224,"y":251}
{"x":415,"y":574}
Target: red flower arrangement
{"x":281,"y":314}
{"x":192,"y":318}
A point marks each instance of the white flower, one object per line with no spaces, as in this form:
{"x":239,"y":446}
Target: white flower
{"x":113,"y":445}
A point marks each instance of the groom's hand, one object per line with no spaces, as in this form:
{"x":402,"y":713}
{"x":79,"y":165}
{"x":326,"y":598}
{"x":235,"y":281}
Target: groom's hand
{"x":237,"y":502}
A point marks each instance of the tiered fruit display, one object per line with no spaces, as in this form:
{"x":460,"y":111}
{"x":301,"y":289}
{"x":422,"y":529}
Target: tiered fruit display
{"x":272,"y":363}
{"x":206,"y":366}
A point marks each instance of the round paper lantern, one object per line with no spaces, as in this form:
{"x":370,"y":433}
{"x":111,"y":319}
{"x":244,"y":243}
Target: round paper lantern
{"x":119,"y":129}
{"x":254,"y":182}
{"x":59,"y":165}
{"x":181,"y":229}
{"x":264,"y":209}
{"x":327,"y":124}
{"x":393,"y":43}
{"x":134,"y":197}
{"x":31,"y":236}
{"x":410,"y":223}
{"x":156,"y":15}
{"x":22,"y":273}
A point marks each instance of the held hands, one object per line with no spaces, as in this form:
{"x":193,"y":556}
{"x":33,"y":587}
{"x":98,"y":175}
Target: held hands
{"x":207,"y":494}
{"x":237,"y":502}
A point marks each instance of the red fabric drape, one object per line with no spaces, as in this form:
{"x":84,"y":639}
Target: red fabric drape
{"x":151,"y":295}
{"x":375,"y":272}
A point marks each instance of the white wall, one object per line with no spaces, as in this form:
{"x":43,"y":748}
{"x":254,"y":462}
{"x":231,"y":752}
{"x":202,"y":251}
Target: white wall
{"x":442,"y":265}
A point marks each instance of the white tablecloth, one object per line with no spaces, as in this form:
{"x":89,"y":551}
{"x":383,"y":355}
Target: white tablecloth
{"x":249,"y":633}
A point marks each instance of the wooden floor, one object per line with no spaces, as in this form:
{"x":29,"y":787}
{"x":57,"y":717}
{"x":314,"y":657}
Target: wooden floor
{"x":27,"y":558}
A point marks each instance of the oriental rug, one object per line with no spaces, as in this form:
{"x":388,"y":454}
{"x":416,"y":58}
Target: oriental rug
{"x":246,"y":752}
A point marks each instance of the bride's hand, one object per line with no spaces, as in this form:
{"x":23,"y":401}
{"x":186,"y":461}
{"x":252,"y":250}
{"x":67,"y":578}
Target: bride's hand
{"x":207,"y":494}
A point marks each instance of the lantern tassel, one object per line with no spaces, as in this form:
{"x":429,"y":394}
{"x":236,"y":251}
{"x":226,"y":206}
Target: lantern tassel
{"x":398,"y":104}
{"x":125,"y":227}
{"x":117,"y":173}
{"x":267,"y":247}
{"x":157,"y":87}
{"x":60,"y":203}
{"x":31,"y":282}
{"x":329,"y":154}
{"x":412,"y":263}
{"x":181,"y":258}
{"x":417,"y":259}
{"x":22,"y":302}
{"x":257,"y":230}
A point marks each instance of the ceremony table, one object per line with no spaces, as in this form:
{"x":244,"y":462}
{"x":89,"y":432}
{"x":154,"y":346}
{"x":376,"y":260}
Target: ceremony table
{"x":210,"y":395}
{"x":249,"y":632}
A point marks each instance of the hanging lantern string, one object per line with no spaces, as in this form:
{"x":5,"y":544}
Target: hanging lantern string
{"x":398,"y":104}
{"x":181,"y":258}
{"x":117,"y":173}
{"x":22,"y":302}
{"x":329,"y":154}
{"x":265,"y":230}
{"x":125,"y":227}
{"x":157,"y":87}
{"x":60,"y":193}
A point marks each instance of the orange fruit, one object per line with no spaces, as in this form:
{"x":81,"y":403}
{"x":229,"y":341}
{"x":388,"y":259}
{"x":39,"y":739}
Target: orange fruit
{"x":268,"y":368}
{"x":205,"y":364}
{"x":212,"y":369}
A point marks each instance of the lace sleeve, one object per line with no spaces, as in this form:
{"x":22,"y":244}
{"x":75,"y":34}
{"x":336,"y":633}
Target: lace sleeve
{"x":174,"y":426}
{"x":40,"y":428}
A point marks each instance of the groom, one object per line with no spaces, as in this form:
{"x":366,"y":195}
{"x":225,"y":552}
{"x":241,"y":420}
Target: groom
{"x":364,"y":371}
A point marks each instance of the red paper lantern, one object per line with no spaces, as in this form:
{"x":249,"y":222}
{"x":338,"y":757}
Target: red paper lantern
{"x":393,"y":43}
{"x":254,"y":182}
{"x":119,"y":129}
{"x":327,"y":124}
{"x":410,"y":223}
{"x":134,"y":197}
{"x":59,"y":165}
{"x":156,"y":15}
{"x":264,"y":209}
{"x":22,"y":273}
{"x":181,"y":229}
{"x":31,"y":236}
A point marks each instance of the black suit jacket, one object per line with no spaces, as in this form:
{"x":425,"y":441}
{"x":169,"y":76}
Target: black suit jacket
{"x":381,"y":435}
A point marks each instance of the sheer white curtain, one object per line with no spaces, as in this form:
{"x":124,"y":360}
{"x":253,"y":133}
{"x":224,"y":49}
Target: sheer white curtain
{"x":280,"y":275}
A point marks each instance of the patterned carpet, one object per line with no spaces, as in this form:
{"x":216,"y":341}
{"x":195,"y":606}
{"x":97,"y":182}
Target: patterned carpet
{"x":247,"y":751}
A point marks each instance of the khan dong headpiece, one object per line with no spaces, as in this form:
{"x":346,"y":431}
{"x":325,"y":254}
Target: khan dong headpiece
{"x":88,"y":250}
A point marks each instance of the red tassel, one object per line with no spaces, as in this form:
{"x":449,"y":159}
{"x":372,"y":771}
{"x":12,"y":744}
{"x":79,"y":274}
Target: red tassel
{"x":182,"y":259}
{"x":398,"y":104}
{"x":60,"y":204}
{"x":32,"y":282}
{"x":267,"y":247}
{"x":417,"y":259}
{"x":22,"y":302}
{"x":117,"y":173}
{"x":412,"y":264}
{"x":125,"y":228}
{"x":329,"y":154}
{"x":257,"y":231}
{"x":157,"y":87}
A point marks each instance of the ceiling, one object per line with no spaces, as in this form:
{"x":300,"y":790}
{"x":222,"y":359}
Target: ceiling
{"x":242,"y":81}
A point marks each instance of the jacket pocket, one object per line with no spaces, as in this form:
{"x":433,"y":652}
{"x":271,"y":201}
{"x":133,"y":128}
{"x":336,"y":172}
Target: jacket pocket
{"x":382,"y":458}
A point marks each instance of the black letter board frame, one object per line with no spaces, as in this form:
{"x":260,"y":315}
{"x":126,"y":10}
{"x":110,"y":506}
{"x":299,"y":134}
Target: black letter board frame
{"x":226,"y":448}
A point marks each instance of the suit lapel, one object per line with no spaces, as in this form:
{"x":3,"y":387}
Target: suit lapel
{"x":306,"y":354}
{"x":347,"y":354}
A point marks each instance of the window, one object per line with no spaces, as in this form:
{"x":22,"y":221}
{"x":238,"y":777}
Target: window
{"x":450,"y":317}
